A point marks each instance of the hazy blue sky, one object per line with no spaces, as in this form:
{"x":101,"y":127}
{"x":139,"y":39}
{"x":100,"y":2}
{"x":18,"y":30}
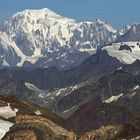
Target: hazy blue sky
{"x":116,"y":12}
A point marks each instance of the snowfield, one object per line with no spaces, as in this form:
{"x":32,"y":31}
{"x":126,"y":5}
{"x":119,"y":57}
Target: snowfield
{"x":7,"y":112}
{"x":113,"y":98}
{"x":127,"y":55}
{"x":4,"y":127}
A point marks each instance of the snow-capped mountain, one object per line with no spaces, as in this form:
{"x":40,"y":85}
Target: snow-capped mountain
{"x":41,"y":38}
{"x":123,"y":30}
{"x":132,"y":33}
{"x":125,"y":52}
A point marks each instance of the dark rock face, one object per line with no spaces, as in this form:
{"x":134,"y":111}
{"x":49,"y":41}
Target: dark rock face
{"x":9,"y":87}
{"x":22,"y":135}
{"x":62,"y":59}
{"x":125,"y":47}
{"x":96,"y":65}
{"x":114,"y":84}
{"x":95,"y":114}
{"x":102,"y":106}
{"x":134,"y":68}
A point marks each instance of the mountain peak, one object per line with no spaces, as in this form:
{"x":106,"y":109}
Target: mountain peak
{"x":108,"y":26}
{"x":34,"y":34}
{"x":99,"y":21}
{"x":38,"y":13}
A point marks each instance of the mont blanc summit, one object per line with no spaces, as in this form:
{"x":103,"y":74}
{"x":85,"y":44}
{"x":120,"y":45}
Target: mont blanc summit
{"x":42,"y":38}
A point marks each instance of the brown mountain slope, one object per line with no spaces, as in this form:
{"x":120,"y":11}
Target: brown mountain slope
{"x":44,"y":125}
{"x":37,"y":128}
{"x":30,"y":109}
{"x":32,"y":122}
{"x":130,"y":131}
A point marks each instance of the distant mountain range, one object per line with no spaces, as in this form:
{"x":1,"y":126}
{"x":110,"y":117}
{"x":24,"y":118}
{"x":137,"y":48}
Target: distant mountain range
{"x":42,"y":38}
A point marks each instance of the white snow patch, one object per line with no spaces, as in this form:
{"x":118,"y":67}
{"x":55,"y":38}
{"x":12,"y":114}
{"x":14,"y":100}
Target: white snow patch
{"x":52,"y":98}
{"x":5,"y":63}
{"x":90,"y":51}
{"x":136,"y":87}
{"x":4,"y":127}
{"x":66,"y":111}
{"x":38,"y":112}
{"x":113,"y":98}
{"x":59,"y":92}
{"x":34,"y":88}
{"x":75,"y":87}
{"x":133,"y":94}
{"x":7,"y":112}
{"x":119,"y":68}
{"x":41,"y":93}
{"x":35,"y":56}
{"x":30,"y":86}
{"x":41,"y":96}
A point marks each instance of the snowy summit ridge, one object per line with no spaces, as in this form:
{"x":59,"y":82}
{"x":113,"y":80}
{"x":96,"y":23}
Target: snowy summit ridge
{"x":42,"y":38}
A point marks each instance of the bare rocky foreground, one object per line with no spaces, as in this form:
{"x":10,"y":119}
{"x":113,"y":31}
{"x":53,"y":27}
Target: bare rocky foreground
{"x":35,"y":123}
